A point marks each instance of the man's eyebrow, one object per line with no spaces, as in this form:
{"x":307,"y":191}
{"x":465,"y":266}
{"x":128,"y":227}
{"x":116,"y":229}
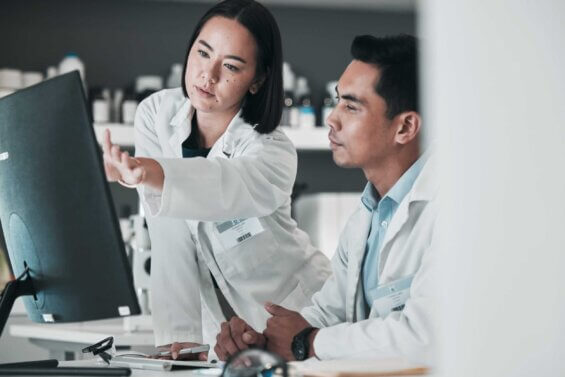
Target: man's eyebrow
{"x":352,"y":98}
{"x":234,"y":57}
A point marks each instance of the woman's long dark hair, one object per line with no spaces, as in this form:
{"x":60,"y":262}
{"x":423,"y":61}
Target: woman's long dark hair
{"x":264,"y":108}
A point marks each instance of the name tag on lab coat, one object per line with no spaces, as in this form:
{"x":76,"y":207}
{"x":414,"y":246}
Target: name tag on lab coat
{"x":234,"y":232}
{"x":391,"y":297}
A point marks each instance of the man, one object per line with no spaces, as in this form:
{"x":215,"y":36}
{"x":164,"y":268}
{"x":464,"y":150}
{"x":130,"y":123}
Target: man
{"x":379,"y":302}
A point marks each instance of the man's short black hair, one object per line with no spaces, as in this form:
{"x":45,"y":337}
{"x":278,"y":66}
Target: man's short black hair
{"x":396,"y":57}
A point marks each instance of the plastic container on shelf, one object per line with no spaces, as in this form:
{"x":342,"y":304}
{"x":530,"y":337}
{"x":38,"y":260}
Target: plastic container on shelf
{"x":101,"y":107}
{"x":175,"y":76}
{"x":289,"y":102}
{"x":31,"y":78}
{"x":147,"y":85}
{"x":51,"y":72}
{"x":307,"y":116}
{"x":329,"y":102}
{"x":129,"y":107}
{"x":11,"y":79}
{"x":71,"y":62}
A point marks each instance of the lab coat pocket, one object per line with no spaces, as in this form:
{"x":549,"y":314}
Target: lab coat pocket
{"x":296,"y":300}
{"x":241,"y":253}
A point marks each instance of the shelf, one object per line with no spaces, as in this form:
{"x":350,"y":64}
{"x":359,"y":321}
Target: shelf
{"x":307,"y":139}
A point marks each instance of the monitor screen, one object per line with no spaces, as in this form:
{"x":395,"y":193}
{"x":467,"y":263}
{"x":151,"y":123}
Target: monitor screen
{"x":56,"y":211}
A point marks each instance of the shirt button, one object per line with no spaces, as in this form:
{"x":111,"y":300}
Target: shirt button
{"x":384,"y":224}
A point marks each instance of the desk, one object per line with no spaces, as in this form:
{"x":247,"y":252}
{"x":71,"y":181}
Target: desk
{"x":65,"y":341}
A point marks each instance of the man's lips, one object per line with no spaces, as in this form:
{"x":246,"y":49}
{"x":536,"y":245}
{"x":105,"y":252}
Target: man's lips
{"x":333,"y":141}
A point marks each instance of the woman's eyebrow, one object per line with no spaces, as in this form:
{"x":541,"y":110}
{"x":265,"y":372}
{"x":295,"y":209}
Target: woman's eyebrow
{"x":234,"y":57}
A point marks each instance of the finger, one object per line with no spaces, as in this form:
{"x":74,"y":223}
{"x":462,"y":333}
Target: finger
{"x":227,"y":341}
{"x":124,"y":158}
{"x":219,"y":350}
{"x":107,"y":142}
{"x":237,"y":327}
{"x":115,"y":153}
{"x":111,"y":173}
{"x":276,"y":310}
{"x":203,"y":356}
{"x":175,"y":348}
{"x":138,"y":174}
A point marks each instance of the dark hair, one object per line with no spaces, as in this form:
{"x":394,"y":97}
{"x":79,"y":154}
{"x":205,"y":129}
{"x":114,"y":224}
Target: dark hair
{"x":396,"y":57}
{"x":264,"y":108}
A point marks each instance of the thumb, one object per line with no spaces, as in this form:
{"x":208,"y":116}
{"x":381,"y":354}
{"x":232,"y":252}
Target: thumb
{"x":276,"y":310}
{"x":203,"y":356}
{"x":254,"y":338}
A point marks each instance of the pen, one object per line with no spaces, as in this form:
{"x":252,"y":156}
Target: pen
{"x":185,"y":351}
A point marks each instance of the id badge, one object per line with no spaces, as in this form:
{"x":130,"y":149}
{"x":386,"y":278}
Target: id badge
{"x":235,"y":232}
{"x":391,"y":297}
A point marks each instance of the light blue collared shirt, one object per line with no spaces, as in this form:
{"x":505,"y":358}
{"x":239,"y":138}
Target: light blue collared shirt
{"x":383,"y":209}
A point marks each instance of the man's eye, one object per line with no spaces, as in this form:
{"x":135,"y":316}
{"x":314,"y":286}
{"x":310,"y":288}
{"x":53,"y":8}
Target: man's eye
{"x":203,"y":53}
{"x":232,"y":68}
{"x":351,"y":108}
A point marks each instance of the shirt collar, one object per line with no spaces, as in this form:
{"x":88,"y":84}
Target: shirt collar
{"x":370,"y":198}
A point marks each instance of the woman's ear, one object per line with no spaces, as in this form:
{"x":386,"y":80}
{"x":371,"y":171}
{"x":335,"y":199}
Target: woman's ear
{"x":409,"y":124}
{"x":257,"y":83}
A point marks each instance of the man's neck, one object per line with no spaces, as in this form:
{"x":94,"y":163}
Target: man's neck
{"x":384,"y":174}
{"x":212,"y":125}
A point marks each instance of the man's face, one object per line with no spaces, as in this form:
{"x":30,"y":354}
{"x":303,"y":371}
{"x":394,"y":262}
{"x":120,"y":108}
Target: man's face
{"x":361,"y":136}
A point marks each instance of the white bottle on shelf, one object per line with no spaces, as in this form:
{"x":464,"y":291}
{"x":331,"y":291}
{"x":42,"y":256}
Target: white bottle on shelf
{"x":175,"y":77}
{"x":330,"y":101}
{"x":71,"y":62}
{"x":307,"y":117}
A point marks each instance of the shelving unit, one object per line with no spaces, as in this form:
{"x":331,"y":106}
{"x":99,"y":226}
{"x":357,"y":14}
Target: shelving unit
{"x":307,"y":139}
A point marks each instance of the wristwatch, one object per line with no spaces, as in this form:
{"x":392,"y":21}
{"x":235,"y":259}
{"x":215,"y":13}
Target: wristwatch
{"x":300,"y":346}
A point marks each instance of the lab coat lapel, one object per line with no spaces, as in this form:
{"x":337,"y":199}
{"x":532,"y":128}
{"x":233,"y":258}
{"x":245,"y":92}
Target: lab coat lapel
{"x":355,"y":305}
{"x":424,"y":189}
{"x":181,"y":124}
{"x":225,"y":145}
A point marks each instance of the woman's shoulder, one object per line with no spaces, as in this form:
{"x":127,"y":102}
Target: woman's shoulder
{"x":276,"y":139}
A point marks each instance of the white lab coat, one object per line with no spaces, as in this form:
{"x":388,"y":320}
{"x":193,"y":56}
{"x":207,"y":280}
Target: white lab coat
{"x":246,"y":175}
{"x":349,"y":329}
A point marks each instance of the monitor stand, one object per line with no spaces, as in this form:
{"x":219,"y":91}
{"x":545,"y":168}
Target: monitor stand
{"x":22,"y":286}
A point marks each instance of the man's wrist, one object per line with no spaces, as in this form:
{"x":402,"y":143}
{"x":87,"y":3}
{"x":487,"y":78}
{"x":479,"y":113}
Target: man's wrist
{"x":311,"y":336}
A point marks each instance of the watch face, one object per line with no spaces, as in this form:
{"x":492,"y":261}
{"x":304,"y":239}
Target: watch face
{"x":298,"y":349}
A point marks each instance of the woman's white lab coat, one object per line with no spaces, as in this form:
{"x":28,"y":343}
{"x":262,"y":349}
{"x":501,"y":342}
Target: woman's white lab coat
{"x":246,"y":175}
{"x":353,"y":329}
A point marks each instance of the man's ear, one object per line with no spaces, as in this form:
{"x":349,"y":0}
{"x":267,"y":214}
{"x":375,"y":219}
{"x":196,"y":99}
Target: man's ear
{"x":408,"y":127}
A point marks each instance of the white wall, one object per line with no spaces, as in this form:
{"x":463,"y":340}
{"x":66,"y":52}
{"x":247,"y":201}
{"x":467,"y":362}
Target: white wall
{"x":495,"y":75}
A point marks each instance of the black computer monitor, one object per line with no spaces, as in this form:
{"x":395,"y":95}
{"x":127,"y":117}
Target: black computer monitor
{"x":57,"y":215}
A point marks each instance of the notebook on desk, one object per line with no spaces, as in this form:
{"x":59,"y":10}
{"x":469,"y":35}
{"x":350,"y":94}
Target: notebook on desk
{"x":358,"y":368}
{"x":137,"y":362}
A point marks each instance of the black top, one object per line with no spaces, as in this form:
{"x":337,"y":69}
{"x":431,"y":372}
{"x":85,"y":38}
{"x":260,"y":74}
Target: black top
{"x":191,"y":146}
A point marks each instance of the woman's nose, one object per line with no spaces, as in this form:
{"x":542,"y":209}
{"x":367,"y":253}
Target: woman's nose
{"x":210,"y":73}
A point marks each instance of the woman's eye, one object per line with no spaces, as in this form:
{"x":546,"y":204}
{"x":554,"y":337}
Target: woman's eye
{"x":203,"y":53}
{"x":232,"y":68}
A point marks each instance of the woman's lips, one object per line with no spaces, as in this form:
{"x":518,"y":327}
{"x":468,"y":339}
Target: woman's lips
{"x":203,"y":92}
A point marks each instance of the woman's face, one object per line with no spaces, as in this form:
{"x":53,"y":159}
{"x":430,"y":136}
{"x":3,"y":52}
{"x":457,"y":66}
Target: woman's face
{"x":221,"y":66}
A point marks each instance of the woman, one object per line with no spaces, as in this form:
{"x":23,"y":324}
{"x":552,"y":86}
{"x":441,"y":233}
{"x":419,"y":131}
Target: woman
{"x":215,"y":175}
